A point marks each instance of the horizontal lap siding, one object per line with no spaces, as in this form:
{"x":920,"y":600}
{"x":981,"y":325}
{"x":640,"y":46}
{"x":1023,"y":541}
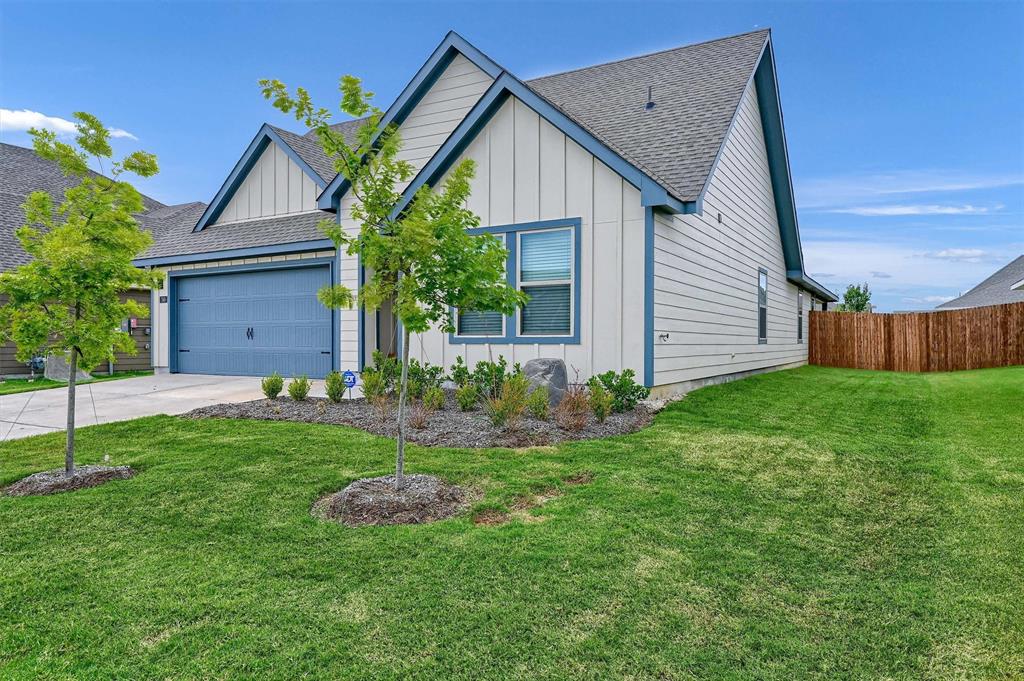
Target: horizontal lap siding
{"x":9,"y":365}
{"x":705,"y":295}
{"x":275,"y":185}
{"x":527,"y":170}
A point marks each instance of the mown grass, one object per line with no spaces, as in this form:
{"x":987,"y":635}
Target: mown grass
{"x":810,"y":523}
{"x":11,"y":386}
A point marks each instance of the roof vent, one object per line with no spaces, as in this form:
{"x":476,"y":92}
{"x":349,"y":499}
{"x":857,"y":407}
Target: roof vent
{"x":650,"y":100}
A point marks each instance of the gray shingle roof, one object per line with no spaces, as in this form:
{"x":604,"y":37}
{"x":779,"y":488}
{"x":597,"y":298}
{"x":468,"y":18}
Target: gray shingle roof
{"x":309,"y":149}
{"x":22,"y":172}
{"x":993,"y":291}
{"x":696,"y":91}
{"x":285,"y":229}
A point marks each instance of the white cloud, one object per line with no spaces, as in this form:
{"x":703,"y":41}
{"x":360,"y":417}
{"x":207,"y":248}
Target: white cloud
{"x":915,"y":209}
{"x":881,"y":275}
{"x":938,"y":299}
{"x":960,"y":254}
{"x":854,"y":189}
{"x":24,"y":119}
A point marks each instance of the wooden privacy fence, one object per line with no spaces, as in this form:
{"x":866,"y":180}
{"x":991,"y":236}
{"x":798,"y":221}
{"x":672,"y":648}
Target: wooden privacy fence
{"x":945,"y":340}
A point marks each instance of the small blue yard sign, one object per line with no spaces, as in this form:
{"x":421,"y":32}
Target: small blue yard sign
{"x":350,"y":379}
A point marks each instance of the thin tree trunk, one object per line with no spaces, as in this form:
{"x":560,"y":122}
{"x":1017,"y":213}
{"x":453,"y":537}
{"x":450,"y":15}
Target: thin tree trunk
{"x":402,"y":394}
{"x":69,"y":452}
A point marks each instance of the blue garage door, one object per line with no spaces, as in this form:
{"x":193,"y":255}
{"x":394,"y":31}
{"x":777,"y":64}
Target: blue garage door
{"x":254,"y":323}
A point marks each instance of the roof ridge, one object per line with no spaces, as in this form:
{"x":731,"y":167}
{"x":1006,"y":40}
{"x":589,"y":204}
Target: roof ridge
{"x":651,"y":54}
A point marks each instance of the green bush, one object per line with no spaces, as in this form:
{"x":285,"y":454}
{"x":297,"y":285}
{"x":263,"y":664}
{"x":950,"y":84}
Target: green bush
{"x":426,"y":375}
{"x":272,"y":385}
{"x":374,"y":385}
{"x":298,"y":389}
{"x":433,"y":398}
{"x":572,"y":412}
{"x":334,"y":384}
{"x":390,"y":370}
{"x":467,"y":396}
{"x":600,"y":401}
{"x":461,"y":374}
{"x":507,"y":409}
{"x":537,"y":403}
{"x":625,"y":391}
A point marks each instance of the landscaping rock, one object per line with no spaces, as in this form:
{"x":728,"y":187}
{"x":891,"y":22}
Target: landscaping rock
{"x":52,"y":482}
{"x":376,"y":501}
{"x":550,"y":373}
{"x":57,"y":369}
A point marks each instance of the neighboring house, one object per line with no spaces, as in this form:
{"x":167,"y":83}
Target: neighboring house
{"x":655,"y":234}
{"x":22,"y":171}
{"x":1005,"y":286}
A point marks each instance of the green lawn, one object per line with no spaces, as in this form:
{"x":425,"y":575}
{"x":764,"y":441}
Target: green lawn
{"x":810,"y":523}
{"x":24,"y":385}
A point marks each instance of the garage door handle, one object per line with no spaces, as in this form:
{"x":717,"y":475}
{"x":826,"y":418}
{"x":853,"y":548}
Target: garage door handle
{"x":183,"y":300}
{"x":325,"y":352}
{"x":180,"y":350}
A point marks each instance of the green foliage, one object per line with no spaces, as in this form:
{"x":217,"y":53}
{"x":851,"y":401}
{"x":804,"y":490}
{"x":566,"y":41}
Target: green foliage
{"x":856,"y":299}
{"x":537,"y":402}
{"x":507,"y":409}
{"x":298,"y":388}
{"x":425,"y":375}
{"x":389,"y":368}
{"x":625,"y":391}
{"x":415,"y":389}
{"x":467,"y":396}
{"x":272,"y":385}
{"x":489,"y":377}
{"x":461,"y":374}
{"x":68,"y":297}
{"x":433,"y":398}
{"x":374,"y":384}
{"x":600,"y":401}
{"x":335,"y":387}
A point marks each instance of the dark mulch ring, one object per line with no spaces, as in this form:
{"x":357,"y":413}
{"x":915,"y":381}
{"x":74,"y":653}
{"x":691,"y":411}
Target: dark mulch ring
{"x":376,"y":501}
{"x":52,"y":482}
{"x":448,"y":427}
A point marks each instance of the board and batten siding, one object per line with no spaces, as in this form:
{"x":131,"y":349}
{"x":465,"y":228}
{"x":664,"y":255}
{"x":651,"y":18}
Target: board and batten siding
{"x":706,"y":272}
{"x":528,"y":170}
{"x":275,"y":185}
{"x":162,"y":316}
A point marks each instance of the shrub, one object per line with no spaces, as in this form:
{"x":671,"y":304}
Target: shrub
{"x":460,"y":375}
{"x":572,"y":412}
{"x":625,"y":391}
{"x":334,"y":384}
{"x":507,"y":409}
{"x":489,"y":377}
{"x":426,"y":375}
{"x":418,"y":415}
{"x":390,"y":370}
{"x":467,"y":396}
{"x":298,"y":389}
{"x":375,"y":391}
{"x":415,"y":389}
{"x":272,"y":385}
{"x":433,"y":398}
{"x":537,"y":403}
{"x":600,"y":401}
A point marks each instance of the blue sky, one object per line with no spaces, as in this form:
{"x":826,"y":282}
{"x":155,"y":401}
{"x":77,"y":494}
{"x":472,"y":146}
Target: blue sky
{"x":905,"y":121}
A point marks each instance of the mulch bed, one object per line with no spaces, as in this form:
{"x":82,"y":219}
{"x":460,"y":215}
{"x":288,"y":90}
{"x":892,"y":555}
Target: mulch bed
{"x":376,"y":501}
{"x":448,"y":427}
{"x":52,"y":482}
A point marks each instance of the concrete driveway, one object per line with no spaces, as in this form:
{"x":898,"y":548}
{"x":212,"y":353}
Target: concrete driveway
{"x":45,"y":411}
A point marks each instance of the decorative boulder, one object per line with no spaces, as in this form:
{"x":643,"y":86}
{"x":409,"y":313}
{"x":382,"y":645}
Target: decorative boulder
{"x":550,"y":373}
{"x":57,"y":369}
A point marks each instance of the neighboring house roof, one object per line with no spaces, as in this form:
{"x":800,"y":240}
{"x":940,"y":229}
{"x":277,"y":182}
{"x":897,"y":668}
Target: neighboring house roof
{"x":996,"y":290}
{"x":696,"y":90}
{"x":299,"y":229}
{"x":22,"y":172}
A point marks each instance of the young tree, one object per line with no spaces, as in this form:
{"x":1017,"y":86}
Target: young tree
{"x":856,"y":299}
{"x":423,"y":259}
{"x":68,"y":299}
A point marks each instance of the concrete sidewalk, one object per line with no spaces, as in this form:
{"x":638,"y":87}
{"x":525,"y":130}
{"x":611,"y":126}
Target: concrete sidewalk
{"x":45,"y":411}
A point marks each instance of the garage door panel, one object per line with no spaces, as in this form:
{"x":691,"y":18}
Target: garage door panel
{"x":291,"y":329}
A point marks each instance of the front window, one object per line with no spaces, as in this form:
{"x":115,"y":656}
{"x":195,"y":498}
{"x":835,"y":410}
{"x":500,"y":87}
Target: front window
{"x":471,"y":323}
{"x":545,"y":274}
{"x":762,"y":306}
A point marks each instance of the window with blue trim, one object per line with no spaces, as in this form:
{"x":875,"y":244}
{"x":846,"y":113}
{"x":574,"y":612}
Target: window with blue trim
{"x":480,"y":324}
{"x":545,"y":272}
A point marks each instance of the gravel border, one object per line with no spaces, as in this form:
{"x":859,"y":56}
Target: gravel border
{"x":375,"y":501}
{"x":448,"y":427}
{"x":52,"y":482}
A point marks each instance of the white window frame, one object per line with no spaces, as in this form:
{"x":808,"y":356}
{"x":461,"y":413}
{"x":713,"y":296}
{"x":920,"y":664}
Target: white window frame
{"x":571,"y":281}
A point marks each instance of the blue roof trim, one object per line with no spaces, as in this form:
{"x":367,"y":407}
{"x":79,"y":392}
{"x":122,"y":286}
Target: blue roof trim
{"x":259,"y":143}
{"x":411,"y":95}
{"x":652,"y":193}
{"x":254,"y":251}
{"x":807,"y":283}
{"x":649,"y":296}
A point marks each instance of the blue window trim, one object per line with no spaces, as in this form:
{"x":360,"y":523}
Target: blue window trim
{"x":261,"y":141}
{"x":510,"y":337}
{"x":172,"y":299}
